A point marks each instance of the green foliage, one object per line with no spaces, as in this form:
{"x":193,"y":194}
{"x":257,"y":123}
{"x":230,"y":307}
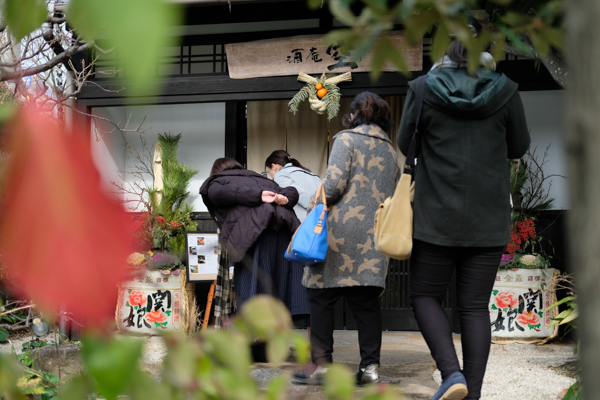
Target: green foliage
{"x":24,"y":16}
{"x":137,"y":29}
{"x":177,"y":245}
{"x":530,"y":188}
{"x":4,"y":335}
{"x":24,"y":356}
{"x":30,"y":385}
{"x":339,"y":383}
{"x":32,"y":381}
{"x":535,"y":31}
{"x":574,"y":392}
{"x":567,"y":316}
{"x":301,"y":96}
{"x":176,"y":179}
{"x":111,"y":363}
{"x":332,"y":100}
{"x":210,"y":365}
{"x":10,"y":372}
{"x":169,"y":217}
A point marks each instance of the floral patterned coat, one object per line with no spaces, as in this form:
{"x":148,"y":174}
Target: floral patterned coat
{"x":362,"y":173}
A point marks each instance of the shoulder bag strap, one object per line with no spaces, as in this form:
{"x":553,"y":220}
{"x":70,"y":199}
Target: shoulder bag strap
{"x":410,"y":157}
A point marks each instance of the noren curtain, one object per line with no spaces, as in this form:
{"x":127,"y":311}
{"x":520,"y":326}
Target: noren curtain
{"x":306,"y":136}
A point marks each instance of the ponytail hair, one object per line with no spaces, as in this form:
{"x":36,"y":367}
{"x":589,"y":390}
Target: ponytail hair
{"x":368,"y":108}
{"x":281,"y":157}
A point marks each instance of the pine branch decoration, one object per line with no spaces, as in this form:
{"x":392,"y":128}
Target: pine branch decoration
{"x":329,"y":103}
{"x":332,"y":100}
{"x":301,"y":96}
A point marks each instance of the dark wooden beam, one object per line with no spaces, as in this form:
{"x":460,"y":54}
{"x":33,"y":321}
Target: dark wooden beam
{"x":194,"y":85}
{"x":250,"y":12}
{"x":243,"y":37}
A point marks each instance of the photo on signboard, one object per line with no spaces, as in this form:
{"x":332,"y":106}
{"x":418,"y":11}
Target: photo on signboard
{"x":202,"y":256}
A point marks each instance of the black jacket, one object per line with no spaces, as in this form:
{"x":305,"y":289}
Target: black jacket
{"x":233,"y":199}
{"x":469,"y":126}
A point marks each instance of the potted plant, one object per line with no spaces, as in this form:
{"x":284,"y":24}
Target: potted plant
{"x":525,"y":282}
{"x":155,"y":298}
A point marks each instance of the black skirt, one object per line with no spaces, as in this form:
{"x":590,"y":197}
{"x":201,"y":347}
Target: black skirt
{"x":264,"y":270}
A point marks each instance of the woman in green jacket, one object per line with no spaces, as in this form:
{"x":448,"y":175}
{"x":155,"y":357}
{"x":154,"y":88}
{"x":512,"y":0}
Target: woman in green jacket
{"x":469,"y":126}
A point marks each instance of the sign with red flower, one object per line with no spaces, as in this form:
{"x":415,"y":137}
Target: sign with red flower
{"x":158,"y":317}
{"x":136,"y":298}
{"x":151,"y":303}
{"x":506,"y":300}
{"x":519,"y":305}
{"x":529,"y":319}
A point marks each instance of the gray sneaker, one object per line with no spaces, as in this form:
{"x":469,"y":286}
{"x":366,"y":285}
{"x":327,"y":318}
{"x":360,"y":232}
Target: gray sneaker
{"x":367,"y":375}
{"x":305,"y":377}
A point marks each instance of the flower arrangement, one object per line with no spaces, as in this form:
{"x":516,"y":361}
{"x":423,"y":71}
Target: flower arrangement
{"x":524,"y":249}
{"x":165,"y":263}
{"x":137,"y":260}
{"x":530,"y":195}
{"x":166,"y":215}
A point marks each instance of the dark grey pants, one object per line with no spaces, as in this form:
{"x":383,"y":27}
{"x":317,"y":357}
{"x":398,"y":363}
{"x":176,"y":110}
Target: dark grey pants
{"x":363,"y":301}
{"x":431,"y":270}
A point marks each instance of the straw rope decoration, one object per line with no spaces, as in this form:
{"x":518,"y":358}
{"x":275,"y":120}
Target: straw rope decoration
{"x":322,"y":93}
{"x":185,"y":305}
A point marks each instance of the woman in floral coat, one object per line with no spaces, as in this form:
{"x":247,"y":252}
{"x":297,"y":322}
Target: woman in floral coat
{"x":362,"y":172}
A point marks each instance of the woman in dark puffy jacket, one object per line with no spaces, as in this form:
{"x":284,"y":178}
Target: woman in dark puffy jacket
{"x":470,"y":125}
{"x":256,"y":220}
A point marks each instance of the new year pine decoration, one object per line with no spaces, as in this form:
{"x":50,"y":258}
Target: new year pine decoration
{"x":322,"y":93}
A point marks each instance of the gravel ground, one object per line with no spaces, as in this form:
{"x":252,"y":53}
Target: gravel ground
{"x":514,"y":371}
{"x":518,"y":371}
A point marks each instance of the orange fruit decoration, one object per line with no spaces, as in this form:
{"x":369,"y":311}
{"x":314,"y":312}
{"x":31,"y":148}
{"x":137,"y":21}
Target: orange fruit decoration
{"x":318,"y":86}
{"x":321,"y":93}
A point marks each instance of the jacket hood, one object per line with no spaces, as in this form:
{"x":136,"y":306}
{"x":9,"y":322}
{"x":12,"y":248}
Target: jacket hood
{"x":455,"y":92}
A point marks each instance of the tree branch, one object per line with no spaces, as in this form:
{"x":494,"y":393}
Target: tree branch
{"x":76,"y":48}
{"x":553,"y":62}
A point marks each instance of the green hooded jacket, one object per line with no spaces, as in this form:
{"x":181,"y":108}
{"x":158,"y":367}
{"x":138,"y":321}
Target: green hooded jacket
{"x":469,"y":127}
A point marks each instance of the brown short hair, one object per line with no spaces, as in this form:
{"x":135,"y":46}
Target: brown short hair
{"x":368,"y":108}
{"x":224,"y":164}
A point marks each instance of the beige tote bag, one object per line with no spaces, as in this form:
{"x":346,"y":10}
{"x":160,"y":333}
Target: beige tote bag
{"x":394,"y":218}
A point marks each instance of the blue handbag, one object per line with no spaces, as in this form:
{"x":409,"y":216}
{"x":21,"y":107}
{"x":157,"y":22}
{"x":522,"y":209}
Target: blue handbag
{"x":309,"y":244}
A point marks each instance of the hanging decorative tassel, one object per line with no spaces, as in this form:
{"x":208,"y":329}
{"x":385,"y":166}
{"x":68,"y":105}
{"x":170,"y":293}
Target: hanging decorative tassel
{"x":322,"y":93}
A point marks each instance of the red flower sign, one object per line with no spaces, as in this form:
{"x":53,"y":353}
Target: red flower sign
{"x":528,"y":318}
{"x":156,"y":316}
{"x":137,"y":299}
{"x":506,"y":299}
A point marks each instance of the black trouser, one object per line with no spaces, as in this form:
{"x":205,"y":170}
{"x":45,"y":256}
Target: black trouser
{"x":364,"y":304}
{"x":430,"y":274}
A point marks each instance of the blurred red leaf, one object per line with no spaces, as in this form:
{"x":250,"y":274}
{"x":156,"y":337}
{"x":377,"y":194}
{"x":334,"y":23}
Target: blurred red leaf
{"x":60,"y":234}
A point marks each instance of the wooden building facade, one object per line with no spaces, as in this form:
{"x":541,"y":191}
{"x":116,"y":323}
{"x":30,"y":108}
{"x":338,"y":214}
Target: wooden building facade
{"x":197,"y":72}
